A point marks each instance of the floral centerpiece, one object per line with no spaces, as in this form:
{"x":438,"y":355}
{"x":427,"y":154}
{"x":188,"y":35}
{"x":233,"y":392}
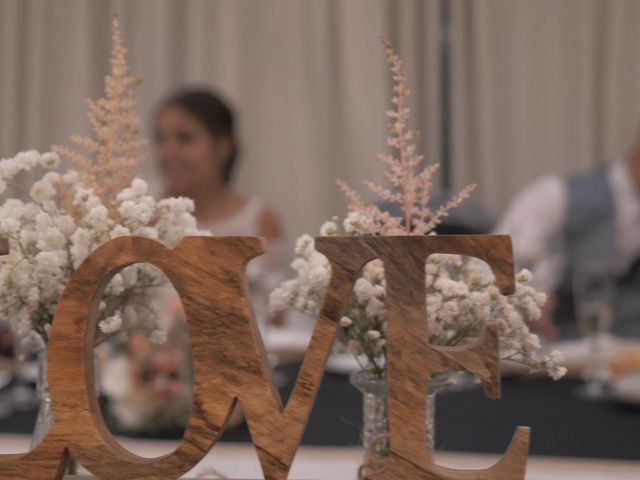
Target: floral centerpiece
{"x":462,"y":296}
{"x":54,"y":224}
{"x":65,"y":215}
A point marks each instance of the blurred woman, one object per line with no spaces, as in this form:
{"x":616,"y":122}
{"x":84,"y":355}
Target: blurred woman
{"x":197,"y":154}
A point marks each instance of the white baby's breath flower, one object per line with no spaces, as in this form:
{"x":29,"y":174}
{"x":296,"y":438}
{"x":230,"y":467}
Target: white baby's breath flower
{"x":158,"y":337}
{"x":355,"y":223}
{"x":97,"y":218}
{"x":85,"y":198}
{"x":304,"y":245}
{"x":116,"y":285}
{"x":66,"y":224}
{"x":52,"y":239}
{"x":72,"y":177}
{"x":176,"y":205}
{"x":362,"y":289}
{"x":139,"y":186}
{"x":280,"y":297}
{"x":81,"y":245}
{"x":553,"y":364}
{"x":540,"y":298}
{"x":137,"y":212}
{"x":346,"y":322}
{"x":42,"y":190}
{"x":329,"y":229}
{"x":375,"y":308}
{"x":524,"y":276}
{"x":50,"y":160}
{"x":373,"y":335}
{"x":9,"y":225}
{"x":111,"y":324}
{"x":493,"y":291}
{"x":130,"y":314}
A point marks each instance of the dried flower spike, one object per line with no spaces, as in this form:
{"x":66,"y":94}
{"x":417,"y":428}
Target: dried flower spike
{"x":410,"y":186}
{"x":116,"y":148}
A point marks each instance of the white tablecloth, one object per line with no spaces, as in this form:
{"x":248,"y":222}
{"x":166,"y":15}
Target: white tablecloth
{"x":236,"y":460}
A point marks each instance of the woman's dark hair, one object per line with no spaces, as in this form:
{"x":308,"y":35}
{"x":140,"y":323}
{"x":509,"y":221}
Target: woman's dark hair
{"x":214,"y":114}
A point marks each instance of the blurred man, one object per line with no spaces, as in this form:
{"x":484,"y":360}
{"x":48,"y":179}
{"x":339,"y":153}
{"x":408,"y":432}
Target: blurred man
{"x":560,"y":224}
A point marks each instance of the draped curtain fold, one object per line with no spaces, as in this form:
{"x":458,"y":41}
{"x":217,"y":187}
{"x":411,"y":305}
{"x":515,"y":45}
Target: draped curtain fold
{"x":307,"y":79}
{"x":541,"y":86}
{"x":537,"y":86}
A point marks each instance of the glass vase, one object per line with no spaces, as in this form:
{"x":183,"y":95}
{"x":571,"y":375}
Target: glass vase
{"x":44,"y":420}
{"x":375,"y":421}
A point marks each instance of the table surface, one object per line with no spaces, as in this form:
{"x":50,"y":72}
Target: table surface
{"x":239,"y":460}
{"x":472,"y":431}
{"x":561,"y":423}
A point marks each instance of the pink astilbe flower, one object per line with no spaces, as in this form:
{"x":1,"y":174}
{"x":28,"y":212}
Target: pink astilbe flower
{"x":461,"y":298}
{"x":116,"y":148}
{"x":410,"y":186}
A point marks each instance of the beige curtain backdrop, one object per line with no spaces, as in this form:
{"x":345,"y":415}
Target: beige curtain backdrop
{"x":307,"y":78}
{"x":541,"y":86}
{"x":538,"y":86}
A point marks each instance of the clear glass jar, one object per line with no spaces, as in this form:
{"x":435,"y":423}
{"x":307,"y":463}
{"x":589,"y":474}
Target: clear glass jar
{"x":44,"y":420}
{"x":45,"y":412}
{"x":375,"y":421}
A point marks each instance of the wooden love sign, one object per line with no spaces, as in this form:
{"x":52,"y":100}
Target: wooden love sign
{"x":230,"y":364}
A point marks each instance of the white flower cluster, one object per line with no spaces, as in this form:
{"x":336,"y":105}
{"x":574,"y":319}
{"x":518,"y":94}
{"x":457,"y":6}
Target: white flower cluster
{"x":304,"y":296}
{"x":61,"y":223}
{"x":462,"y":298}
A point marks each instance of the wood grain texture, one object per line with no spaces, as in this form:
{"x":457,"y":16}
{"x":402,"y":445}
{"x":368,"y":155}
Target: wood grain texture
{"x":230,"y":363}
{"x":411,"y":360}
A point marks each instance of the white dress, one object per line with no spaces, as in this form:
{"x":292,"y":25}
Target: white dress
{"x":245,"y":222}
{"x":134,"y":399}
{"x":263,"y":273}
{"x":536,"y":216}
